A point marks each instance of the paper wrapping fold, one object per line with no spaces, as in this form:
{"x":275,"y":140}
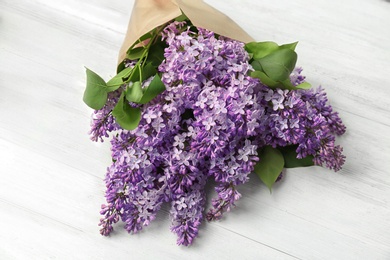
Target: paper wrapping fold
{"x":148,"y":14}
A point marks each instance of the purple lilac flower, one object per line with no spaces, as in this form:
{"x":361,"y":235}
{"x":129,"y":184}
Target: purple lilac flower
{"x":209,"y":123}
{"x":102,"y":120}
{"x":213,"y":74}
{"x":305,"y":119}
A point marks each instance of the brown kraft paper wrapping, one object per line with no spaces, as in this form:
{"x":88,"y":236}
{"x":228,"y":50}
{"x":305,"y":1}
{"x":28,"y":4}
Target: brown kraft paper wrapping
{"x":149,"y":14}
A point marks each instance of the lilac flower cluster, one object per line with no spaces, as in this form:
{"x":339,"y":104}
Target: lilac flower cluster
{"x":208,"y":124}
{"x":304,"y":118}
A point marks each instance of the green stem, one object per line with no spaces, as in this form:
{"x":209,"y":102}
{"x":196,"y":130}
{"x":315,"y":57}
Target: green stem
{"x":141,"y":61}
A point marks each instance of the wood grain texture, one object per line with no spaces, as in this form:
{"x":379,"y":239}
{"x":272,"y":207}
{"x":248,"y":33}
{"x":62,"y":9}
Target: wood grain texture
{"x":52,"y":175}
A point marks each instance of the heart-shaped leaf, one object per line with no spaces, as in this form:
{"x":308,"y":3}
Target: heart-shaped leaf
{"x":291,"y":160}
{"x":261,"y":49}
{"x":156,"y":87}
{"x":264,"y":79}
{"x":117,"y":81}
{"x":135,"y":54}
{"x":256,"y":65}
{"x":95,"y":94}
{"x":303,"y":85}
{"x":156,"y":53}
{"x":279,"y":64}
{"x":134,"y":93}
{"x":148,"y":71}
{"x":135,"y":74}
{"x":126,"y":116}
{"x":270,"y":165}
{"x":290,"y":46}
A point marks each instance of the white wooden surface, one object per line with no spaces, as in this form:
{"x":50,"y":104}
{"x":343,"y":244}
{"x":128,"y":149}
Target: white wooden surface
{"x":51,"y":174}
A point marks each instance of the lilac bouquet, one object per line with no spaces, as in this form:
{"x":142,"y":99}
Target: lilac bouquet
{"x":189,"y":106}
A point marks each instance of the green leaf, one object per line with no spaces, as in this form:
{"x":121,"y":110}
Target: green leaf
{"x":156,"y":87}
{"x":290,"y":46}
{"x":134,"y":93}
{"x":291,"y":160}
{"x":135,"y":74}
{"x":142,"y":38}
{"x":95,"y":94}
{"x":118,"y":80}
{"x":264,"y":79}
{"x":148,"y":71}
{"x":256,"y":65}
{"x":261,"y":49}
{"x":126,"y":116}
{"x":135,"y":54}
{"x":279,"y":65}
{"x":286,"y":84}
{"x":120,"y":67}
{"x":270,"y":165}
{"x":146,"y":36}
{"x":181,"y":18}
{"x":156,"y":53}
{"x":304,"y":85}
